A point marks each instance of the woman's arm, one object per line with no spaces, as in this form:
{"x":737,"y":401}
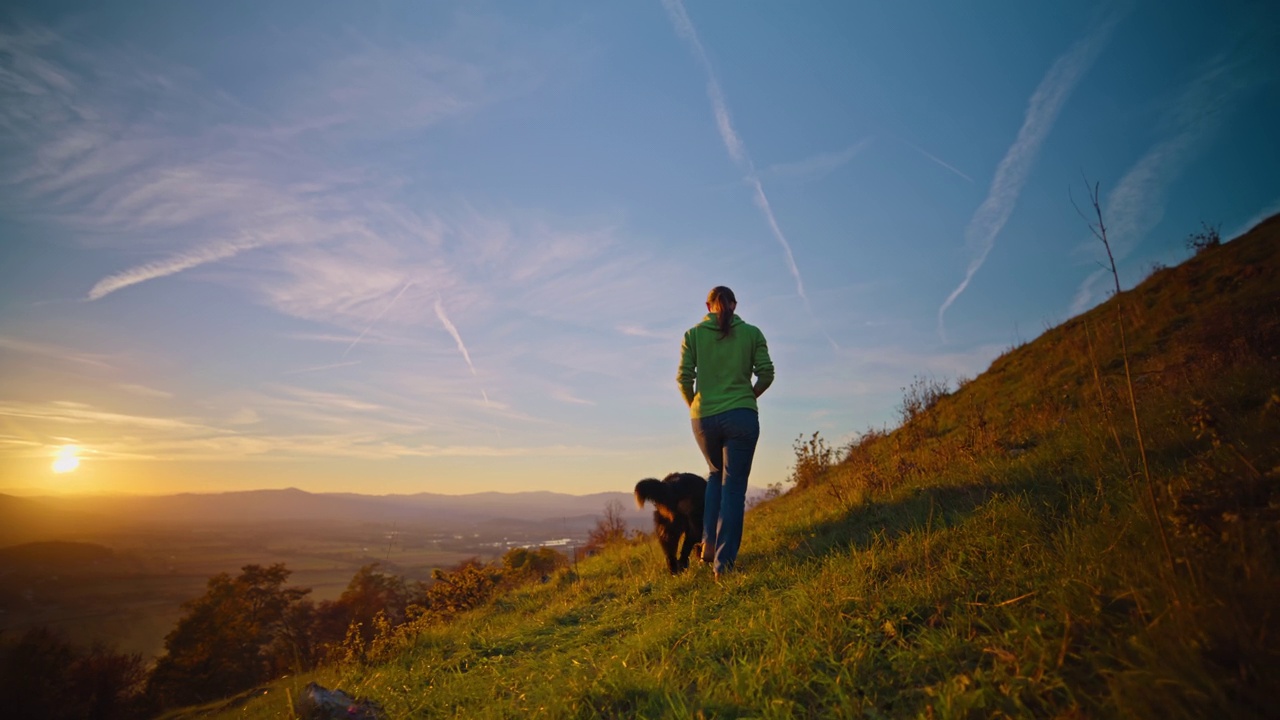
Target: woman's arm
{"x":688,"y":368}
{"x":762,"y":365}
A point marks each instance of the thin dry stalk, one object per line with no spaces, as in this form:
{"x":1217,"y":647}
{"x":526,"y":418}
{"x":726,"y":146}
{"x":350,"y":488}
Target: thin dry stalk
{"x":1102,"y":400}
{"x":1100,"y":231}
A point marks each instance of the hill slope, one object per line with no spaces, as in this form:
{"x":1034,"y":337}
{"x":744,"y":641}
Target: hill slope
{"x":995,"y":556}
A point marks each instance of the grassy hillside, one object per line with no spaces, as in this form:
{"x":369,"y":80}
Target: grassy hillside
{"x":997,"y":555}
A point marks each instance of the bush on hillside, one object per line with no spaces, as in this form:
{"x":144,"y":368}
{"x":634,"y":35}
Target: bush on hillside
{"x":921,"y":396}
{"x":814,"y":458}
{"x":1206,"y":239}
{"x":526,"y":564}
{"x":468,"y":585}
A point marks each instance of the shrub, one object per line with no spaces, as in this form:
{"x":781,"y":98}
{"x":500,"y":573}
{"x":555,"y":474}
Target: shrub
{"x":1207,"y":238}
{"x":813,"y":459}
{"x":921,"y":396}
{"x":524,"y":564}
{"x":469,"y":585}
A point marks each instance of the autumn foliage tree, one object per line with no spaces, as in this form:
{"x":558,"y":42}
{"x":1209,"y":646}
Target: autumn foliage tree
{"x":235,"y":635}
{"x":369,"y":593}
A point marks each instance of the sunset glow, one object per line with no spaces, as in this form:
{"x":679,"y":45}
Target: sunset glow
{"x":453,"y":247}
{"x":68,"y":459}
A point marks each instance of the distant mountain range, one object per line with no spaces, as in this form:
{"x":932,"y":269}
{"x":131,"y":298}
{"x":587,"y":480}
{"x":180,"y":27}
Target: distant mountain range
{"x":27,"y":519}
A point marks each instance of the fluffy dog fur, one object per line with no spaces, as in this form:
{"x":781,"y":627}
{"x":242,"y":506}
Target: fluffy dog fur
{"x":677,"y":501}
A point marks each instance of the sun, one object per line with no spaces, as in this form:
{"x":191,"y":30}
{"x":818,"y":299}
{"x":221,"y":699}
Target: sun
{"x":67,"y":460}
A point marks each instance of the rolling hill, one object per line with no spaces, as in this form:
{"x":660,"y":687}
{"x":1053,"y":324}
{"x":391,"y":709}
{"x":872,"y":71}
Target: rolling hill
{"x":1017,"y":548}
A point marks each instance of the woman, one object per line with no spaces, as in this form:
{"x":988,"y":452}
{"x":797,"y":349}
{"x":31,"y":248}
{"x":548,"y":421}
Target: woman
{"x":721,"y":353}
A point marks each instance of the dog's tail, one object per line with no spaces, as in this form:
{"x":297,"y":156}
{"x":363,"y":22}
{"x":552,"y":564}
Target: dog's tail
{"x":651,"y":490}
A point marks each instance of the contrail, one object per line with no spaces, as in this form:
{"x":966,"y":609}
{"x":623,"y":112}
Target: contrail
{"x":457,"y":338}
{"x":376,"y":319}
{"x":762,"y":202}
{"x":733,"y":143}
{"x":318,"y":368}
{"x":1011,"y":174}
{"x":936,"y":159}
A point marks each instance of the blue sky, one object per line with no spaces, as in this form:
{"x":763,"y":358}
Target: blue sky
{"x":452,"y":247}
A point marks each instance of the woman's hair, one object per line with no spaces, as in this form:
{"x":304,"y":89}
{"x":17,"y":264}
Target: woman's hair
{"x":720,"y":298}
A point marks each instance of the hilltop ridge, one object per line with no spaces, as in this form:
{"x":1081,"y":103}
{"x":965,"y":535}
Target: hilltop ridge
{"x":996,"y":555}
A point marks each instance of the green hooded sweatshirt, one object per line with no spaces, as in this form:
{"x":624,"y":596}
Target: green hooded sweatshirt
{"x":723,"y":367}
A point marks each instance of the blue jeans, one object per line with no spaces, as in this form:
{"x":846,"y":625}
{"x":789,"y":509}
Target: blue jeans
{"x":728,"y":442}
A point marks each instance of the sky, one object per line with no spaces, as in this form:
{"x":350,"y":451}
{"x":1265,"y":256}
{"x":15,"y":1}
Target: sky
{"x":452,"y":247}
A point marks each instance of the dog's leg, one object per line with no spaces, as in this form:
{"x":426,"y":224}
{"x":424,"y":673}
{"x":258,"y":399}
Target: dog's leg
{"x":685,"y":549}
{"x":669,"y":540}
{"x":692,"y":540}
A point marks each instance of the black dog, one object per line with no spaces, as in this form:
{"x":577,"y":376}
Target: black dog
{"x":677,"y":501}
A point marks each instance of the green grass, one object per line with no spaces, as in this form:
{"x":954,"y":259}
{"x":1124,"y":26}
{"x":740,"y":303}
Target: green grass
{"x":992,"y":558}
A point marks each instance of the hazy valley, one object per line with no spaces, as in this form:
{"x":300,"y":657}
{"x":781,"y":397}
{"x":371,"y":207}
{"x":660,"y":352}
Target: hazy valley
{"x":118,"y":568}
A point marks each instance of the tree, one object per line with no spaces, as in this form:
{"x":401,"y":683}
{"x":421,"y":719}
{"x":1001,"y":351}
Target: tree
{"x":370,"y":592}
{"x":42,"y":675}
{"x":612,"y":528}
{"x":230,"y":638}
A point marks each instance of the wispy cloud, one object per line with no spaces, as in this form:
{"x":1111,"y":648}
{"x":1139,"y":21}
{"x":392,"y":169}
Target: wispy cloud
{"x":144,"y":390}
{"x":244,"y":416}
{"x":732,"y":142}
{"x":818,"y":165}
{"x":1090,"y":289}
{"x":332,"y":400}
{"x":168,"y":266}
{"x":565,"y":396}
{"x":1271,"y":209}
{"x":642,"y":332}
{"x":75,"y":413}
{"x":206,"y":179}
{"x":885,"y":369}
{"x":1011,"y":175}
{"x":53,"y":352}
{"x":1136,"y":205}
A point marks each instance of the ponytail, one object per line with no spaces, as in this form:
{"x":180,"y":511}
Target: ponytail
{"x":721,"y":300}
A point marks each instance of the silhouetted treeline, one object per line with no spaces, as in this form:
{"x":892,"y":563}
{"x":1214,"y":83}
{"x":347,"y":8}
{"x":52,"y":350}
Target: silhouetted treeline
{"x":245,"y":630}
{"x":42,"y":675}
